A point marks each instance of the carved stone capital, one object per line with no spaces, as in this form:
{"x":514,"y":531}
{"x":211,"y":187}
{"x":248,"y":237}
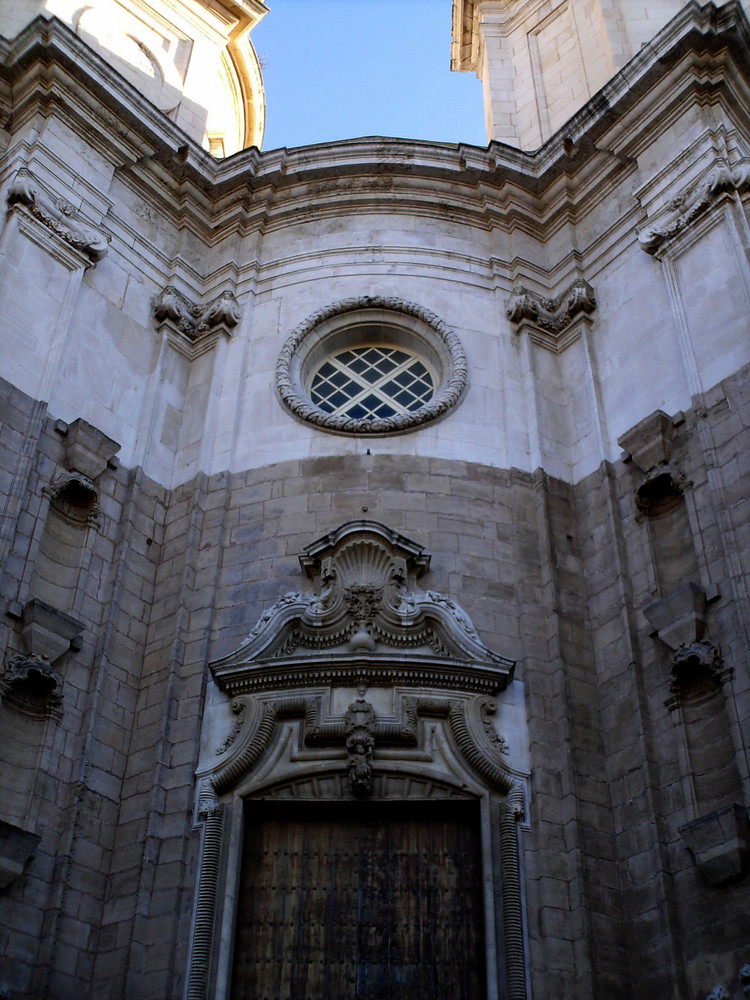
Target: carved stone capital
{"x":195,"y":327}
{"x":693,"y":202}
{"x":550,"y":320}
{"x":57,"y":215}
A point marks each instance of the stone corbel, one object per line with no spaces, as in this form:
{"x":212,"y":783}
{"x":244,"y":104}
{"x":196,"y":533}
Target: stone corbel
{"x":720,"y":843}
{"x":649,"y":446}
{"x":679,"y":618}
{"x":30,"y":680}
{"x":194,"y":328}
{"x":87,"y":450}
{"x":693,"y":202}
{"x":17,"y":847}
{"x":552,"y":323}
{"x":57,"y":215}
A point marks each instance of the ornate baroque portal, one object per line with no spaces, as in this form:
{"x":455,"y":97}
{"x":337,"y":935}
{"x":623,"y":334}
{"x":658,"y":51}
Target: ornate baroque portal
{"x":365,"y":793}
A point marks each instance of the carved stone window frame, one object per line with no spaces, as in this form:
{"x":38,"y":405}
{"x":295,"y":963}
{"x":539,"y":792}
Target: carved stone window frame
{"x":407,"y":325}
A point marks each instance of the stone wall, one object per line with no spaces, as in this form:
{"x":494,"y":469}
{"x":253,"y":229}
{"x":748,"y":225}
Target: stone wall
{"x":553,"y":576}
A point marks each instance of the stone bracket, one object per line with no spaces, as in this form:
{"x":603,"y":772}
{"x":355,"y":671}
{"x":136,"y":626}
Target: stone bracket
{"x":692,"y":202}
{"x":720,"y":843}
{"x":57,"y":215}
{"x":194,"y":328}
{"x":552,"y":323}
{"x":48,"y":633}
{"x":87,"y":449}
{"x":680,"y":617}
{"x":649,"y":443}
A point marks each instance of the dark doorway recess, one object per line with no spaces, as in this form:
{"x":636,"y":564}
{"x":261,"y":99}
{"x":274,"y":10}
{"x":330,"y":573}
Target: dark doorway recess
{"x":360,"y":901}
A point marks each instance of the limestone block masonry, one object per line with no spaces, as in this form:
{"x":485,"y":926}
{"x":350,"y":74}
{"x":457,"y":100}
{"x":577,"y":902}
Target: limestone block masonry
{"x":372,"y":479}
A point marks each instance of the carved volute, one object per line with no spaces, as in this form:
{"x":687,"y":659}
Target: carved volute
{"x":364,"y":616}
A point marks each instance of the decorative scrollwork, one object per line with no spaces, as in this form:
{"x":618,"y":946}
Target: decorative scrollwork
{"x":192,"y":319}
{"x":57,"y":215}
{"x":551,"y":315}
{"x":691,"y":203}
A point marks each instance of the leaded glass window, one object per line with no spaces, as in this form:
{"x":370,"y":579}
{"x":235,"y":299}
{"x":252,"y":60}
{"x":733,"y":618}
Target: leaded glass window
{"x":370,"y":382}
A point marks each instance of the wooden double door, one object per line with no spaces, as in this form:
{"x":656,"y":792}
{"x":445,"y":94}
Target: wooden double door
{"x":360,"y":901}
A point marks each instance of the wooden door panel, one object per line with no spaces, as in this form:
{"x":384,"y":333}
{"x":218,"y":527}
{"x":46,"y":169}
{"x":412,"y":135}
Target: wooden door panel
{"x":364,"y":902}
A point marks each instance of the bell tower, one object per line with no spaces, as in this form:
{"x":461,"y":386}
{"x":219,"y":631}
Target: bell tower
{"x":541,"y":60}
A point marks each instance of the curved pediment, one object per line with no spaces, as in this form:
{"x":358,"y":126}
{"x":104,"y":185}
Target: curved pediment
{"x":365,"y":621}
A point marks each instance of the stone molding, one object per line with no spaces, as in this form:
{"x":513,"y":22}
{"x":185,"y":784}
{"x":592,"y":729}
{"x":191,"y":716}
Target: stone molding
{"x":193,"y":328}
{"x":551,"y":323}
{"x":247,"y":744}
{"x":365,"y":624}
{"x":431,"y":328}
{"x":692,"y":202}
{"x":57,"y":215}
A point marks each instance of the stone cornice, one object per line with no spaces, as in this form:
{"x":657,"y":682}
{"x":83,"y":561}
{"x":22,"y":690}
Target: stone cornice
{"x":48,"y":66}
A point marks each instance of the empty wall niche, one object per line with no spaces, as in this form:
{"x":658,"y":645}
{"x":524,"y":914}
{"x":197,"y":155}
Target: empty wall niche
{"x":73,"y":504}
{"x":672,"y":545}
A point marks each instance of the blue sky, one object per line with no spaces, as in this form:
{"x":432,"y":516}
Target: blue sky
{"x":336,"y":69}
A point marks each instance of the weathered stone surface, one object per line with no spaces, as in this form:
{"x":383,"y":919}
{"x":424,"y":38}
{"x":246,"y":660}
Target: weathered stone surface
{"x":612,"y":767}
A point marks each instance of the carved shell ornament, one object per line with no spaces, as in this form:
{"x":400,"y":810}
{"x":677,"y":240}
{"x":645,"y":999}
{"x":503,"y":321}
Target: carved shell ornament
{"x":371,"y":365}
{"x":364,"y":615}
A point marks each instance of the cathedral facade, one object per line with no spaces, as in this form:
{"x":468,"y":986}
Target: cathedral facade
{"x":375,"y":517}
